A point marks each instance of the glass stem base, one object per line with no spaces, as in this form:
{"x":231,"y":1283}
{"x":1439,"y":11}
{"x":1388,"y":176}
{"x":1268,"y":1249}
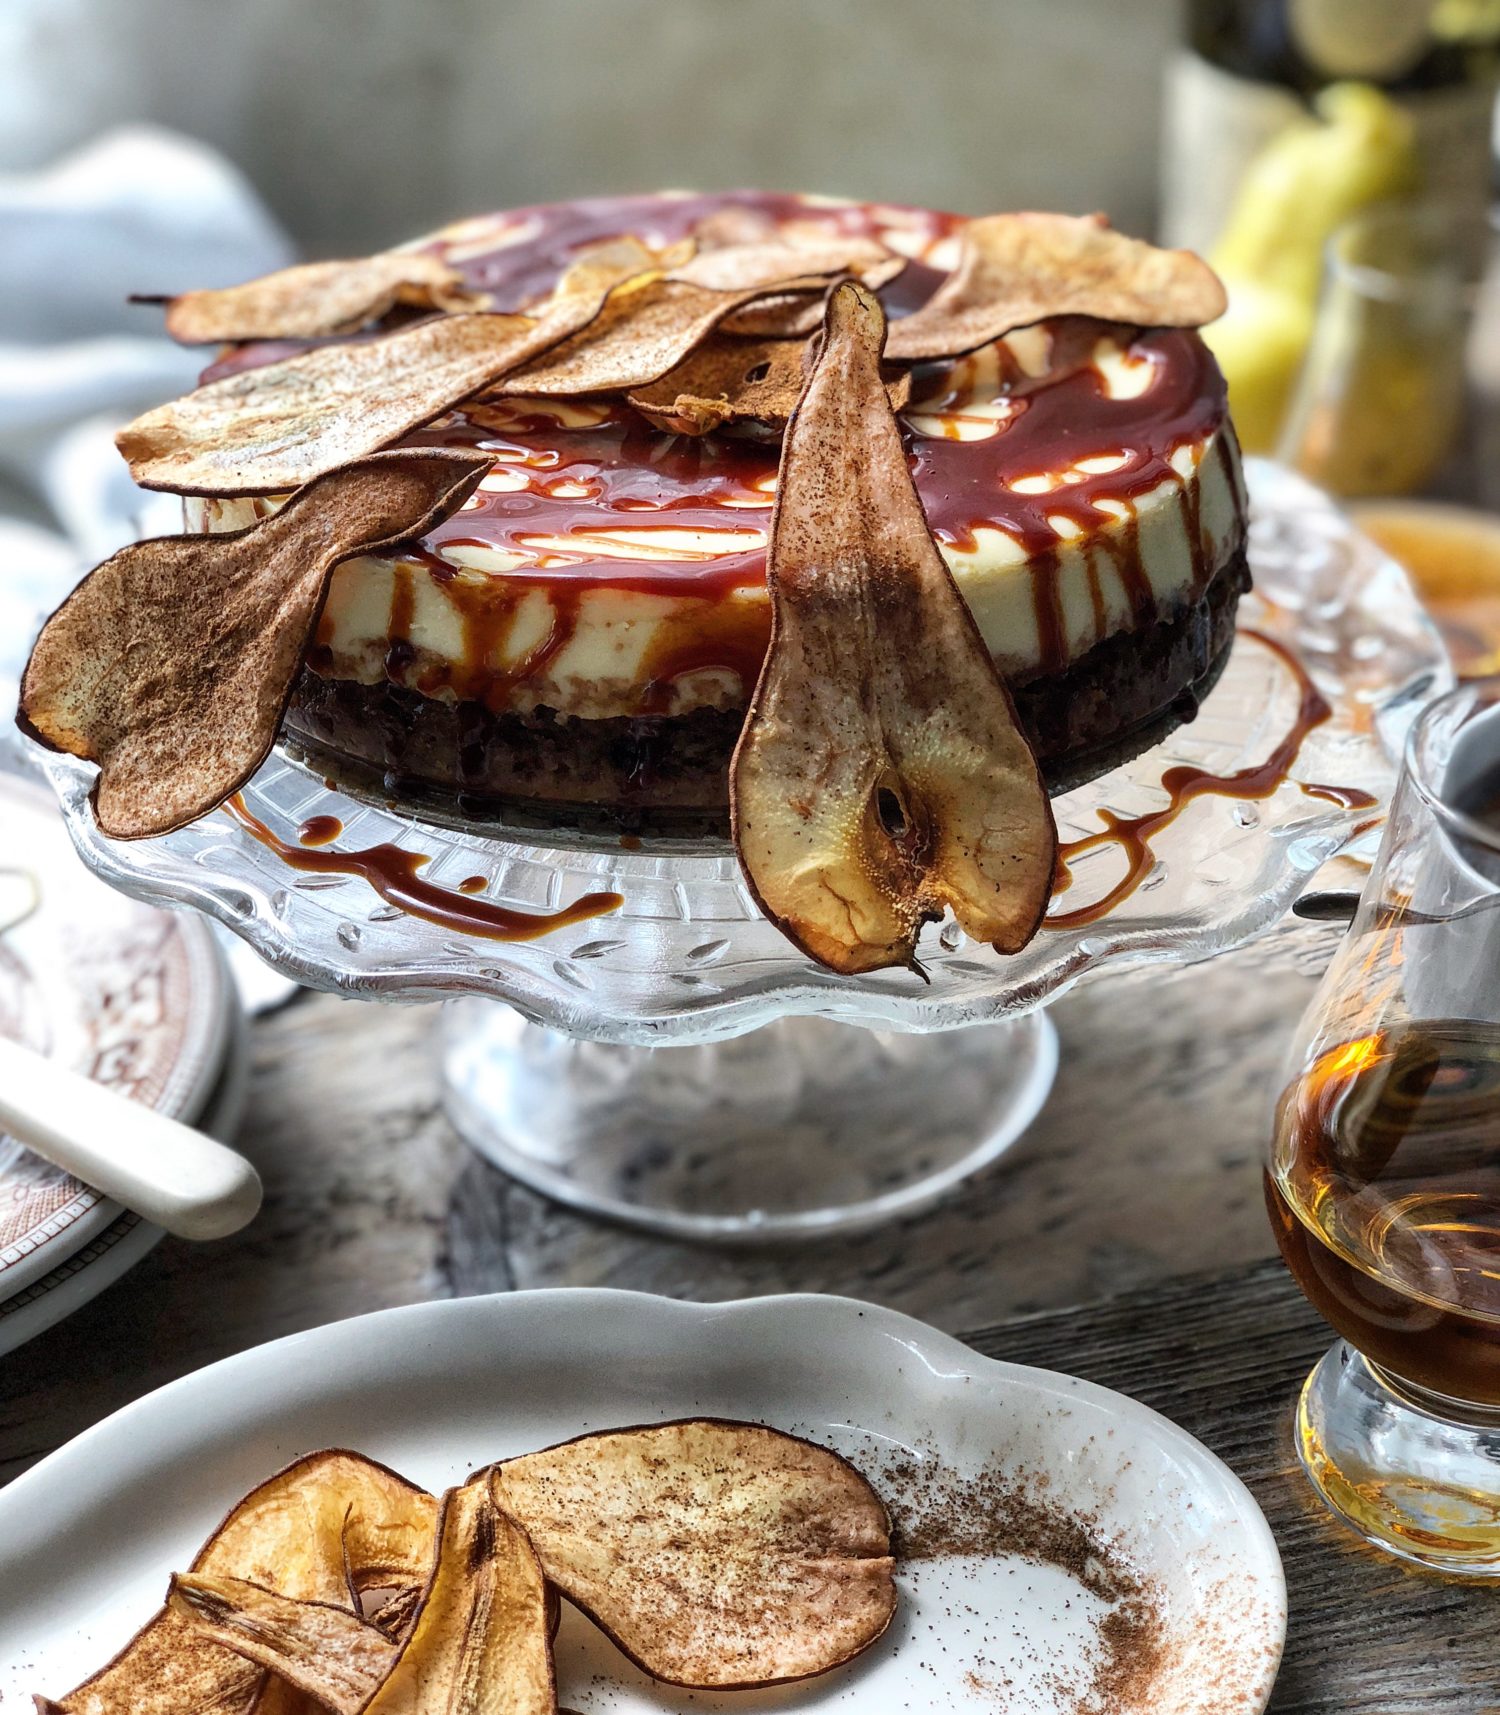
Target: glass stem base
{"x":801,"y":1128}
{"x":1419,"y":1485}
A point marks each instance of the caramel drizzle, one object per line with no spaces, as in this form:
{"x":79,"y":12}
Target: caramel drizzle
{"x":1134,"y":834}
{"x":392,"y":872}
{"x":319,"y":831}
{"x":1346,"y":797}
{"x":618,"y":473}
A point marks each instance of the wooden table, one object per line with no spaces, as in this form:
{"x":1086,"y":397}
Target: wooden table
{"x":1124,"y":1239}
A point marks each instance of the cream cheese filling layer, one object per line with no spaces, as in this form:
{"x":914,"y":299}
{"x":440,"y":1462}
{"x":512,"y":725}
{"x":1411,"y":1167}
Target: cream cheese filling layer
{"x":593,"y":649}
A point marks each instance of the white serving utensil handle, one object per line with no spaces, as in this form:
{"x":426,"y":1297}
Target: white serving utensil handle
{"x":167,"y":1173}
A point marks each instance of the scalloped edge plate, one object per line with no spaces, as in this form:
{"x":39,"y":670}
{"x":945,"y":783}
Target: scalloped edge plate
{"x":88,"y":1536}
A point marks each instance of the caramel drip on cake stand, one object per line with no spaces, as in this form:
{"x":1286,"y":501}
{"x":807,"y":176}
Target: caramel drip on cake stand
{"x":1346,"y":797}
{"x":319,"y":831}
{"x":392,"y":872}
{"x":1183,"y":783}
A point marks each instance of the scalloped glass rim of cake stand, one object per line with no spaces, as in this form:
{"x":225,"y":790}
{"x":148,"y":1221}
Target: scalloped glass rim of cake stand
{"x":766,"y":1120}
{"x":690,"y":958}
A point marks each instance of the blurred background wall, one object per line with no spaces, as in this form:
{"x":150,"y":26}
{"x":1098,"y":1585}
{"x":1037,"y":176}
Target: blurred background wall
{"x":365,"y":121}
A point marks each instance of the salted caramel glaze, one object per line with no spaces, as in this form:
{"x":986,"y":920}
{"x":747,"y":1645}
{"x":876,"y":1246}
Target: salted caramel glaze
{"x":1080,"y":478}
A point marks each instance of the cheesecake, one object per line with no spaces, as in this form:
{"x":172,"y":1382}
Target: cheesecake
{"x":585,"y":633}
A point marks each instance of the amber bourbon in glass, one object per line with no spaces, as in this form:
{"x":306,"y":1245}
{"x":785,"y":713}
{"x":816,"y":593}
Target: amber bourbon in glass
{"x":1383,"y":1178}
{"x":1384,"y":1191}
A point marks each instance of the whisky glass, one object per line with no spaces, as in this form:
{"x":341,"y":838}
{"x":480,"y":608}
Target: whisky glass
{"x":1383,"y":1183}
{"x":1393,"y":398}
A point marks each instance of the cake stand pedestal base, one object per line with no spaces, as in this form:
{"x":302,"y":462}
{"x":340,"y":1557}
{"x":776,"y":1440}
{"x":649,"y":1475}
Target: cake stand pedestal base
{"x":800,"y":1128}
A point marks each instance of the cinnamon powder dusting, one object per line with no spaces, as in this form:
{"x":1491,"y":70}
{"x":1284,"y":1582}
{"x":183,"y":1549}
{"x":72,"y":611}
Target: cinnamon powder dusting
{"x":942,"y":1515}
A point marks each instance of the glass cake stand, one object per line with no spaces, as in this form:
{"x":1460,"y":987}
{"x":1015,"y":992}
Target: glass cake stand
{"x":679,"y":1065}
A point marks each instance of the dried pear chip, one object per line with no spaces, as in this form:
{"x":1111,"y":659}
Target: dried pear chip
{"x":787,"y":317}
{"x":792,"y":317}
{"x":305,"y":1532}
{"x":266,"y":430}
{"x":171,"y":664}
{"x":649,"y":325}
{"x":1017,"y":269}
{"x":881,"y":775}
{"x":317,"y":1648}
{"x":315,"y":299}
{"x":479,"y":1643}
{"x":768,"y":262}
{"x":271,"y":429}
{"x":713,"y":1554}
{"x":482,"y":1642}
{"x":734,"y":380}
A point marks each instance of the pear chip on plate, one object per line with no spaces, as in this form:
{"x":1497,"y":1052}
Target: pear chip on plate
{"x":714,"y":1554}
{"x":754,"y":1557}
{"x":328,"y":1526}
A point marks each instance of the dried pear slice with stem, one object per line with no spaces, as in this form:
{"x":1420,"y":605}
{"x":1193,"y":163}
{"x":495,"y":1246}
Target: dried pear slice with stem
{"x":480,"y":1642}
{"x":651,"y":324}
{"x":316,"y":299}
{"x":712,"y":1553}
{"x":881,"y":776}
{"x":271,"y":429}
{"x":317,"y":1648}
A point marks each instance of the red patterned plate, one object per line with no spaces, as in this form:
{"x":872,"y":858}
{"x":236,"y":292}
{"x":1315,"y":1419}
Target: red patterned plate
{"x":135,"y":997}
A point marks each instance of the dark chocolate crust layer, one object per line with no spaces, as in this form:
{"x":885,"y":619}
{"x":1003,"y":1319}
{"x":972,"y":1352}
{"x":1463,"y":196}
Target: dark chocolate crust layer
{"x":1120,"y":698}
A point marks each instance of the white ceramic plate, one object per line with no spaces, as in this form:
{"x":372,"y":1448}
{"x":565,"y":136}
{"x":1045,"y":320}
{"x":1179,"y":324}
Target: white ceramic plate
{"x":88,"y":1537}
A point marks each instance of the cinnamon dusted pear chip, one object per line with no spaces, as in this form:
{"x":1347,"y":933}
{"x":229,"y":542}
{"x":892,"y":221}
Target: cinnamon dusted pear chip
{"x":1016,"y":269}
{"x":171,"y":664}
{"x":788,"y":316}
{"x":480,"y":1642}
{"x":881,"y":776}
{"x":267,"y":430}
{"x":650,"y":324}
{"x":647,"y":327}
{"x":714,"y":1554}
{"x":780,"y":257}
{"x":319,"y":298}
{"x":320,"y":1649}
{"x":732,"y":380}
{"x":328,"y":1521}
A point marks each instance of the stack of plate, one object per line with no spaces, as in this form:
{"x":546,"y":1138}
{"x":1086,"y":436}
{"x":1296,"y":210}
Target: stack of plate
{"x":140,"y":1000}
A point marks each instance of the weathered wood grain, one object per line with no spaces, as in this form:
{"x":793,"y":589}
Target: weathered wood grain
{"x":1143,"y":1165}
{"x":1143,"y":1170}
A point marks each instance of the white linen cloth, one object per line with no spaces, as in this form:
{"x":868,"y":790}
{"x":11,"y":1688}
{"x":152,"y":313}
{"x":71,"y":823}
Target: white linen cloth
{"x":138,"y":210}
